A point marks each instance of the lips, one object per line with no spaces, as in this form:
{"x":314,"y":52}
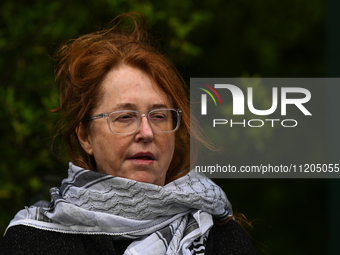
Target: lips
{"x":143,"y":158}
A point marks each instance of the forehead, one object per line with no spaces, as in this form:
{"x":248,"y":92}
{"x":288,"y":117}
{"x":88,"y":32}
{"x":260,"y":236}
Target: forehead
{"x":133,"y":87}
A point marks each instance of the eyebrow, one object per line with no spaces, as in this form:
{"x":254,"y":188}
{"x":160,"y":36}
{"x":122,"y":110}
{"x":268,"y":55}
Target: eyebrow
{"x":129,"y":106}
{"x":125,"y":106}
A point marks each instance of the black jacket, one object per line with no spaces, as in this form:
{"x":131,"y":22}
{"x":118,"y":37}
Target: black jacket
{"x":229,"y":238}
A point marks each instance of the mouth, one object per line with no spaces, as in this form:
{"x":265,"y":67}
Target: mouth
{"x":143,"y":158}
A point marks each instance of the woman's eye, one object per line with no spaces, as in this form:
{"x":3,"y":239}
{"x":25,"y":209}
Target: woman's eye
{"x":124,"y":117}
{"x":158,"y":116}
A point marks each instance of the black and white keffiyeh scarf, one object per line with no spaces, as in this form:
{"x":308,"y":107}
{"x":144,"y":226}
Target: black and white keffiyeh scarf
{"x":174,"y":219}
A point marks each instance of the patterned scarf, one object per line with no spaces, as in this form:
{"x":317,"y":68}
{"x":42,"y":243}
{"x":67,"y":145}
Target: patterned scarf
{"x":174,"y":219}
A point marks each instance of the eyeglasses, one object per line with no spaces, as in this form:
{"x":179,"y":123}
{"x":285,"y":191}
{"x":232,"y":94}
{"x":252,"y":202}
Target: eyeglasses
{"x":128,"y":121}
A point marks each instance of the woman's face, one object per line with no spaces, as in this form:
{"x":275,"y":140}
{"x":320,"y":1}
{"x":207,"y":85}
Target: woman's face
{"x":143,"y":156}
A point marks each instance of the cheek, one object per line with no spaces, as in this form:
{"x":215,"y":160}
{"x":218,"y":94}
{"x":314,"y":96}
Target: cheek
{"x":110,"y":146}
{"x":106,"y":146}
{"x":169,"y":146}
{"x":109,"y":153}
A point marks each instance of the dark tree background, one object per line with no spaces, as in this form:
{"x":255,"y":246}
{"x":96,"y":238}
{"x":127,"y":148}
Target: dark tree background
{"x":215,"y":38}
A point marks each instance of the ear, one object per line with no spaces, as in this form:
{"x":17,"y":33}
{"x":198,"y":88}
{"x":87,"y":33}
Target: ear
{"x":84,"y":138}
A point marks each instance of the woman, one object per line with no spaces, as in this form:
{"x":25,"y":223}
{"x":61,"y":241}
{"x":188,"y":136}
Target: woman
{"x":129,"y":189}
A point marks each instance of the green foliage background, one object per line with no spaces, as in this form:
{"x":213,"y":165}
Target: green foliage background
{"x":215,"y":38}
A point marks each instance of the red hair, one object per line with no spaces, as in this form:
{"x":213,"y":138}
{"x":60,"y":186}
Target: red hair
{"x":83,"y":65}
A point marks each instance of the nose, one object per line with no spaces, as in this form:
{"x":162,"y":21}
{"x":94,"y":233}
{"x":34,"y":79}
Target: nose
{"x":144,"y":131}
